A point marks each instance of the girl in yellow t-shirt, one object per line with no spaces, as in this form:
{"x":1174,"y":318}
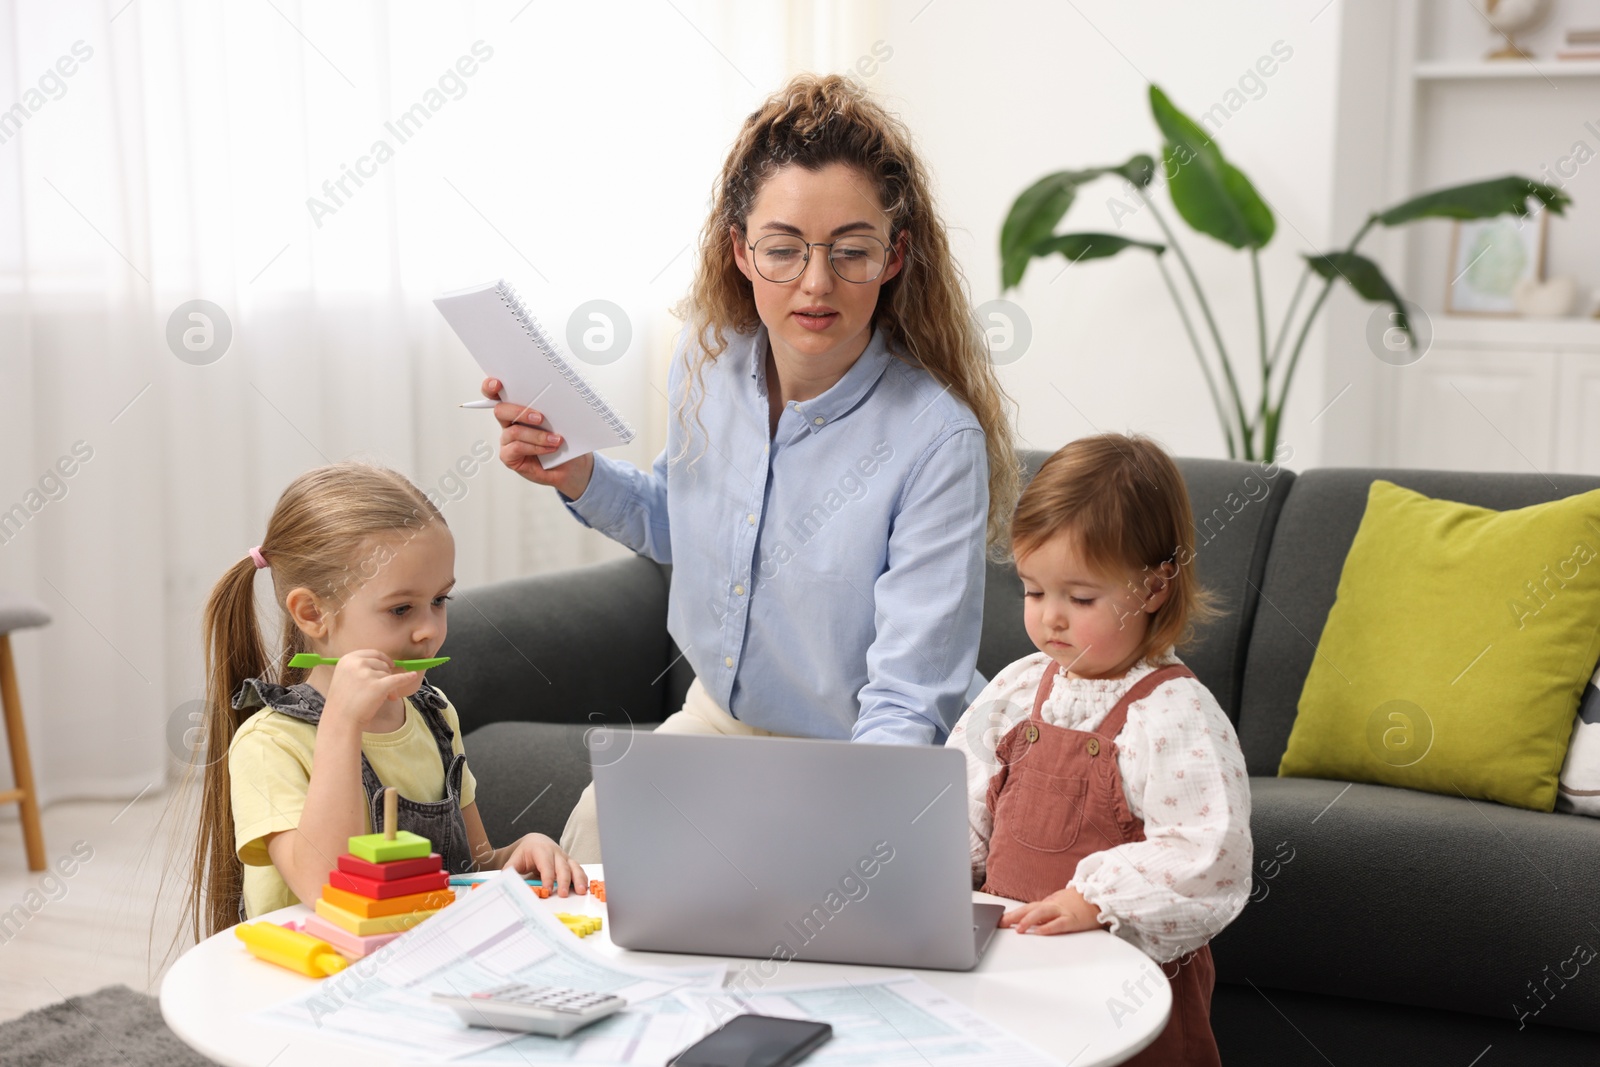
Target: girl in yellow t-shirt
{"x":362,"y":564}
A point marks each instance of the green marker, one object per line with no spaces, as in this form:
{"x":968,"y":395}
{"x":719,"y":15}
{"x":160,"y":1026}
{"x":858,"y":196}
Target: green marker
{"x":311,"y":659}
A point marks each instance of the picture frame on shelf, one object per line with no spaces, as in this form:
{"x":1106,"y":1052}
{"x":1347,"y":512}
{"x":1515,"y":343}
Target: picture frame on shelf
{"x":1488,"y":257}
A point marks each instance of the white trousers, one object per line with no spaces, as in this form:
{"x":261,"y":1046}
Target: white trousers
{"x":700,"y":715}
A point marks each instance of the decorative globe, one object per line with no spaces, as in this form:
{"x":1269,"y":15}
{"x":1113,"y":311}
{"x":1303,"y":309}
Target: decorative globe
{"x":1511,"y":17}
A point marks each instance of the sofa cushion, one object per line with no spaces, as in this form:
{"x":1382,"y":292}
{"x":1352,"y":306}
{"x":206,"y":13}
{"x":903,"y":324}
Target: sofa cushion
{"x":1235,"y":509}
{"x":1320,"y":515}
{"x":1482,"y":701}
{"x":530,"y":774}
{"x":1414,"y":898}
{"x":587,"y":645}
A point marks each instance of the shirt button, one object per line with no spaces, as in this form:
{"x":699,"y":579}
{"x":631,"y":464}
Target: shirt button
{"x":1031,"y":733}
{"x":751,"y":518}
{"x":1093,"y":746}
{"x":727,"y":661}
{"x":738,"y":590}
{"x":819,"y":420}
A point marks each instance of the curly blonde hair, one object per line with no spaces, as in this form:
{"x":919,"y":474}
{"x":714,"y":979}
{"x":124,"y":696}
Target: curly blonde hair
{"x":924,"y":312}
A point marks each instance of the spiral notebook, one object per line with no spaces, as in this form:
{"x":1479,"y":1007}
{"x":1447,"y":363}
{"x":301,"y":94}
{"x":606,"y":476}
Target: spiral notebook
{"x":509,"y":344}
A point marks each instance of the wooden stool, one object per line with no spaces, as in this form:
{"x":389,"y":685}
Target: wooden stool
{"x":18,"y":613}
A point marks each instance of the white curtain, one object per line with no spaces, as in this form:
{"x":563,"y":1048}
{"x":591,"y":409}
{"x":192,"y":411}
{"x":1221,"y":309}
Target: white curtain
{"x":318,"y":171}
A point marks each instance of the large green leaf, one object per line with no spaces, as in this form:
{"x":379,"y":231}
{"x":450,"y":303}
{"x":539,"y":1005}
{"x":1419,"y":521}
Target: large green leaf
{"x":1080,"y":246}
{"x":1212,"y":195}
{"x":1478,"y":200}
{"x":1035,"y":213}
{"x":1366,"y":279}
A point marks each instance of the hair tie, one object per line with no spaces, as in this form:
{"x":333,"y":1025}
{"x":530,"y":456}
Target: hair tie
{"x":260,"y":560}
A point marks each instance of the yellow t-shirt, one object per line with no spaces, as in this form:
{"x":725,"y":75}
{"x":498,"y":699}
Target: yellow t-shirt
{"x":269,"y":762}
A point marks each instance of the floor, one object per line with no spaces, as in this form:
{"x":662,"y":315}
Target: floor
{"x":110,"y":922}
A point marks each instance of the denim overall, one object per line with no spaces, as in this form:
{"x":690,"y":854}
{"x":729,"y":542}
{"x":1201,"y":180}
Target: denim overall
{"x":439,"y":821}
{"x":1057,"y":798}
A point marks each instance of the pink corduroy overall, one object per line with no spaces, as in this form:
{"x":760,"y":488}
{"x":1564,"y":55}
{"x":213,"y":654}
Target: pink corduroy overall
{"x":1057,"y":798}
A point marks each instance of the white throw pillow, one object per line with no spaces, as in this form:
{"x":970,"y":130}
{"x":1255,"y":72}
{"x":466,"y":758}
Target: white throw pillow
{"x":1580,"y":774}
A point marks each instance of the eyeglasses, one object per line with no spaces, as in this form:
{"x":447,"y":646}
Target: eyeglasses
{"x":858,"y":258}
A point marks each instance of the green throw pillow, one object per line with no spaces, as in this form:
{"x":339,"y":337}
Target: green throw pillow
{"x":1457,"y":649}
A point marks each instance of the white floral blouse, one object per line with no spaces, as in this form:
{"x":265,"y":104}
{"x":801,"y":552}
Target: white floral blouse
{"x":1183,"y":774}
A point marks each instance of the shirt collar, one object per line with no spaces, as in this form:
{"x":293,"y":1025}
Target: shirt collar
{"x":841,"y":397}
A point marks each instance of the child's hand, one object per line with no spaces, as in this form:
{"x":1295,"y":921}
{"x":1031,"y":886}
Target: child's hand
{"x":538,"y":854}
{"x":1062,"y":912}
{"x":362,"y":682}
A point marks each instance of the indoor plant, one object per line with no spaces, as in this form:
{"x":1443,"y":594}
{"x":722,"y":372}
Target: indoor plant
{"x":1216,"y":199}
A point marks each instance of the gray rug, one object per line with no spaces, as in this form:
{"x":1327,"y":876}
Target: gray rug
{"x":114,"y":1027}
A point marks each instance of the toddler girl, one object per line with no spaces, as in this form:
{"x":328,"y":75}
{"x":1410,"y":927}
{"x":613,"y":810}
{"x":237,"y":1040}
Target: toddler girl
{"x":1106,"y":787}
{"x":362,"y":565}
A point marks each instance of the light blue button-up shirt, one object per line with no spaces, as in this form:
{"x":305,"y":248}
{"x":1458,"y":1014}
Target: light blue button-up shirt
{"x":827,"y":581}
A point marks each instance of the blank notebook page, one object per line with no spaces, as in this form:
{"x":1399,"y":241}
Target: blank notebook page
{"x":509,"y":344}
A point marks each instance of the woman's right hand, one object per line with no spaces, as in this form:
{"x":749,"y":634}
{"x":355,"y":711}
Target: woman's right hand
{"x":522,"y":442}
{"x":363,"y":681}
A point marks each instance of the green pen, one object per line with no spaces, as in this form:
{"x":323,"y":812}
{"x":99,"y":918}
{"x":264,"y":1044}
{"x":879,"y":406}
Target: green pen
{"x":311,"y":659}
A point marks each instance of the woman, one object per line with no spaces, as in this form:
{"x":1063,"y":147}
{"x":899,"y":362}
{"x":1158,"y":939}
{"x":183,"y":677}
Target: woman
{"x":841,"y":452}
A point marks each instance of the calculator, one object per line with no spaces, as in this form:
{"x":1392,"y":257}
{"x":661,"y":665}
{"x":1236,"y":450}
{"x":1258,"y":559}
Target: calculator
{"x":534,"y":1009}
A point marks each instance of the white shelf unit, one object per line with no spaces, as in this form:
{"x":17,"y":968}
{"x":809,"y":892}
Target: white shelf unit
{"x":1568,"y":334}
{"x":1502,"y":399}
{"x":1493,"y":69}
{"x":1423,"y":108}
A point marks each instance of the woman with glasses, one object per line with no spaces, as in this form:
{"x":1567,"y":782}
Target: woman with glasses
{"x":840,"y":453}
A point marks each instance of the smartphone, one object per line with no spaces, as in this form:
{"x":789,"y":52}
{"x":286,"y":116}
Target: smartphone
{"x":755,"y":1041}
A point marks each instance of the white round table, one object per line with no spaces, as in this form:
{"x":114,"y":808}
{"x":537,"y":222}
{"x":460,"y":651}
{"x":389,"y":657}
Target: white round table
{"x":1056,"y":992}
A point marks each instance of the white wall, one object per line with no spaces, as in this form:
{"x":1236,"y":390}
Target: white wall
{"x":999,"y":98}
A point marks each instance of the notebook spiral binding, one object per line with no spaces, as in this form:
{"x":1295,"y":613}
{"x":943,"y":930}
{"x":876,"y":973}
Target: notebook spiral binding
{"x":541,"y":340}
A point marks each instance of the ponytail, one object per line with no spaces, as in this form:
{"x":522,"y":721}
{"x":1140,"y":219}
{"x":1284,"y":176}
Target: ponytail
{"x":233,"y":652}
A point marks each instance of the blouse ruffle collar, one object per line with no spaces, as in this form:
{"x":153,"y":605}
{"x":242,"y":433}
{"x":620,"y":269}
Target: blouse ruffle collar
{"x":1101,"y":694}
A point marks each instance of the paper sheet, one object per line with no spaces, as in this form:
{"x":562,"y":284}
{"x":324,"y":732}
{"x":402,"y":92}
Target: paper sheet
{"x":897,"y":1020}
{"x":648,"y":1033}
{"x":497,"y":933}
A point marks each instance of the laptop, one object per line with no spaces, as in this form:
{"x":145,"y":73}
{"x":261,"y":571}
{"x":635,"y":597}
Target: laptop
{"x":787,"y":848}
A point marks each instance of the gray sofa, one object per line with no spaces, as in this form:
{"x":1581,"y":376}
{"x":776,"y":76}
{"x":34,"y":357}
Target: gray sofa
{"x":1387,"y":926}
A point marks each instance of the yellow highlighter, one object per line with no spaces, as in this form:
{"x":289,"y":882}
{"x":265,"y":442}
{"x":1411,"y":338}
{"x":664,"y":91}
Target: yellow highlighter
{"x":290,"y":948}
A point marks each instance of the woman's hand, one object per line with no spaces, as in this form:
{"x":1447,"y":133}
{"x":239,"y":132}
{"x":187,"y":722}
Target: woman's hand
{"x":522,"y":442}
{"x":538,"y":854}
{"x":363,"y":681}
{"x":1062,"y":912}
